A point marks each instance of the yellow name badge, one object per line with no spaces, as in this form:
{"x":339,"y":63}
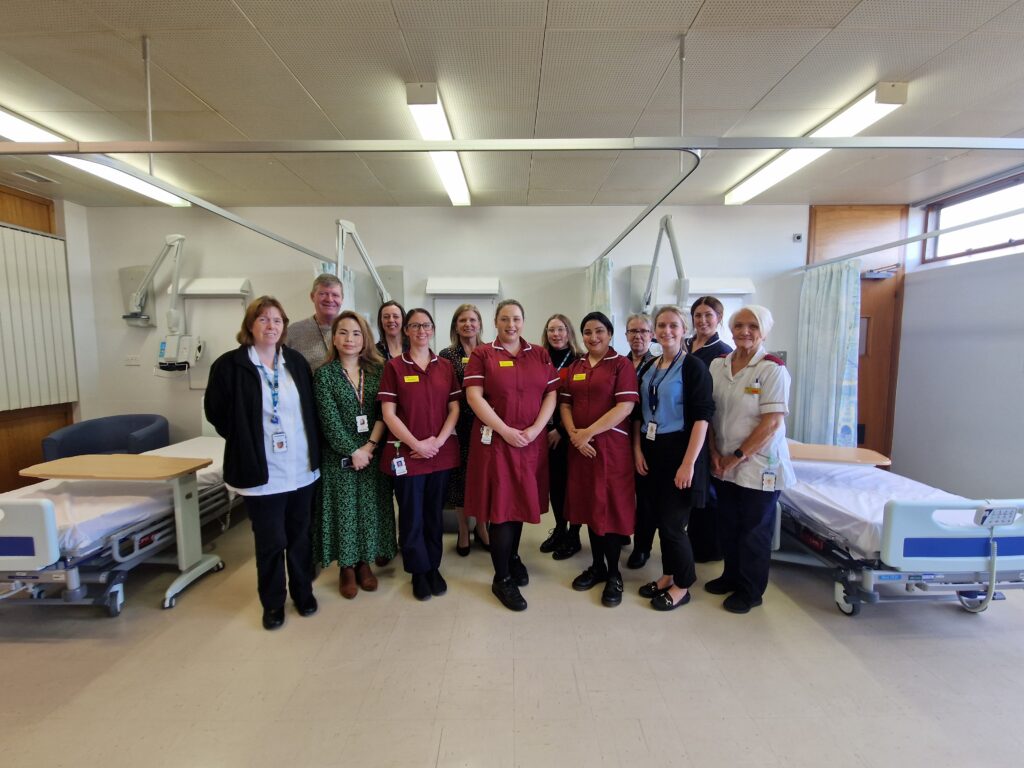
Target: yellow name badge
{"x":411,"y":379}
{"x":579,"y":377}
{"x":752,"y":390}
{"x":506,"y":363}
{"x":465,"y":360}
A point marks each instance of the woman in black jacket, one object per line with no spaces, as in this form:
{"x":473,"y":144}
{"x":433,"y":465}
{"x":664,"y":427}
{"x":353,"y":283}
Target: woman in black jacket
{"x":259,"y":398}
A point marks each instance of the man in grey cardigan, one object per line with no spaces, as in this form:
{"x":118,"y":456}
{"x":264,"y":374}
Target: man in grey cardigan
{"x":312,"y":336}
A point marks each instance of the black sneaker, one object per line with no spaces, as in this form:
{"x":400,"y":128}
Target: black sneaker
{"x":508,"y":593}
{"x":720,"y":586}
{"x":553,"y":541}
{"x":738,"y":602}
{"x":612,"y":594}
{"x":570,"y":545}
{"x":590,"y":578}
{"x":438,"y":586}
{"x":420,"y":586}
{"x":517,"y":570}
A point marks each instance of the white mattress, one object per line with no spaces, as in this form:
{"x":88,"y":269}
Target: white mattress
{"x":88,"y":511}
{"x":849,"y":499}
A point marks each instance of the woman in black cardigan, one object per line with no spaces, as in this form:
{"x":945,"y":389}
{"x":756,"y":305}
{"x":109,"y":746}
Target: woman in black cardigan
{"x":259,"y":398}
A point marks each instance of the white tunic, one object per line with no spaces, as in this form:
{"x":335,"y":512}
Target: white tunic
{"x":740,"y":401}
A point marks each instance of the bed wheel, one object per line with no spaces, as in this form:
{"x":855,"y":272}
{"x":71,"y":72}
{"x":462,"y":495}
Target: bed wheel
{"x":170,"y":602}
{"x":971,"y":600}
{"x":842,"y":602}
{"x":219,"y":566}
{"x":115,"y":602}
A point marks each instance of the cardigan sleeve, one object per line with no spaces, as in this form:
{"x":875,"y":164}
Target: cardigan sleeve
{"x":699,"y":405}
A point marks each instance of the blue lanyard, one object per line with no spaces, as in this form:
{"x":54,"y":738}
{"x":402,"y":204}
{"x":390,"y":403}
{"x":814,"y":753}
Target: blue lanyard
{"x":274,"y":389}
{"x":652,"y":387}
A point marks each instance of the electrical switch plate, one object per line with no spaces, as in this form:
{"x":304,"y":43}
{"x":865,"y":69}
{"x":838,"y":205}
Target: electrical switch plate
{"x":132,"y":360}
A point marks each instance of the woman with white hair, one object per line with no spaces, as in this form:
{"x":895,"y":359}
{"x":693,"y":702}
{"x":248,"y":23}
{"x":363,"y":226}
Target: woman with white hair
{"x":749,"y":455}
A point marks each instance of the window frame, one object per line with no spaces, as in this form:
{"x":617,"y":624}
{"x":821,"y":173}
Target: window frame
{"x":933,"y":220}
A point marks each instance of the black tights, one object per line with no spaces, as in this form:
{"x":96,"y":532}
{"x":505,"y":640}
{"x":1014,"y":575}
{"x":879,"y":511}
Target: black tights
{"x":606,"y":550}
{"x":504,"y":546}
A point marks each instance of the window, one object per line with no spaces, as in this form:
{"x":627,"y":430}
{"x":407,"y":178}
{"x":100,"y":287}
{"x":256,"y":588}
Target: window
{"x":997,"y":238}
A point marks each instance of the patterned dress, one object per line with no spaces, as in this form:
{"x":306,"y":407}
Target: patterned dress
{"x":357,"y":519}
{"x":456,"y":494}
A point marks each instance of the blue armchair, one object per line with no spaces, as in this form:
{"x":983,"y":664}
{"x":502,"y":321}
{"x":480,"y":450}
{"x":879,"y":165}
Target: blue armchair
{"x":126,"y":433}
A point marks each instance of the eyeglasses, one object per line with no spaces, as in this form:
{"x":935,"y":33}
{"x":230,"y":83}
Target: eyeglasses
{"x":420,"y":326}
{"x":638,"y":332}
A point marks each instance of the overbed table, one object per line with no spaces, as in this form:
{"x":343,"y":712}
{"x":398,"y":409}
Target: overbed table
{"x":179,"y":473}
{"x":835,"y":454}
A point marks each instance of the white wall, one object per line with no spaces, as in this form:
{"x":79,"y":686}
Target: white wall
{"x":959,"y":412}
{"x":538,"y":253}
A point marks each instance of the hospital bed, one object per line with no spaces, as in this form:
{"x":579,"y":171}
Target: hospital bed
{"x":887,"y":537}
{"x":73,"y":541}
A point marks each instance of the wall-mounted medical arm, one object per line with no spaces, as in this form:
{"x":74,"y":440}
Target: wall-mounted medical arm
{"x":348,"y":228}
{"x":138,"y":298}
{"x":682,"y":289}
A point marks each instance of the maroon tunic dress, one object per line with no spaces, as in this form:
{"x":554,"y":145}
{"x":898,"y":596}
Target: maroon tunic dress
{"x":601,"y":490}
{"x":506,"y":484}
{"x":421,"y":401}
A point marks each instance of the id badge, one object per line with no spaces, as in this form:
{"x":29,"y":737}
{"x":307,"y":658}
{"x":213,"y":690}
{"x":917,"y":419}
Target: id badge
{"x":486,"y":435}
{"x":398,"y":466}
{"x":279,"y":442}
{"x":362,"y":423}
{"x":652,"y":430}
{"x":768,"y":480}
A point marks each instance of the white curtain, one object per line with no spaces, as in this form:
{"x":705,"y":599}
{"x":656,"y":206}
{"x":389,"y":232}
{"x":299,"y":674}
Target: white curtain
{"x":599,"y":286}
{"x":827,"y":355}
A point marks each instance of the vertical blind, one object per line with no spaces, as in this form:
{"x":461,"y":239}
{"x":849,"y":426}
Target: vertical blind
{"x":37,"y":356}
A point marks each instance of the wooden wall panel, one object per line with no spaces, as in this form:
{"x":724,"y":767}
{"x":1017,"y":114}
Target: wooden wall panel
{"x":26,"y":210}
{"x":21,"y":440}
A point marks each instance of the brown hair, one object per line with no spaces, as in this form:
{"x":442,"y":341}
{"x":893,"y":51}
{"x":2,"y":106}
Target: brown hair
{"x":453,"y":333}
{"x":254,"y":310}
{"x":713,"y":303}
{"x":570,"y":334}
{"x":369,"y":356}
{"x":380,"y":312}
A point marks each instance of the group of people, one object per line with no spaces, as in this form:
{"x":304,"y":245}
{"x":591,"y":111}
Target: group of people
{"x":689,"y":443}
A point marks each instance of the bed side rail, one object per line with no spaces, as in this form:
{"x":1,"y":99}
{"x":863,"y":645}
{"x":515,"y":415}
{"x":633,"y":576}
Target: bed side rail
{"x":914,"y":539}
{"x":28,"y":535}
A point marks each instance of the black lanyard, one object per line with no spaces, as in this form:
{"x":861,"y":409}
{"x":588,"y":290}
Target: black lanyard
{"x":358,"y":392}
{"x":568,"y":358}
{"x":652,"y":387}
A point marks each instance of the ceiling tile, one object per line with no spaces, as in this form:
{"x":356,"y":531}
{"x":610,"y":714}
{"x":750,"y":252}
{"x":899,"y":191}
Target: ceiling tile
{"x":268,"y":124}
{"x":933,"y":15}
{"x":256,"y":172}
{"x":576,"y":171}
{"x":148,"y":16}
{"x":559,"y":197}
{"x":669,"y":15}
{"x":773,"y":14}
{"x":477,"y":14}
{"x":597,"y":124}
{"x":496,"y":170}
{"x":46,"y":17}
{"x":270,"y":15}
{"x":333,"y":173}
{"x":650,"y":171}
{"x":500,"y":197}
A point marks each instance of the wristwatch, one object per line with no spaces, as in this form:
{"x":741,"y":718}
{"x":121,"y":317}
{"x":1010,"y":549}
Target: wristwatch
{"x":738,"y":454}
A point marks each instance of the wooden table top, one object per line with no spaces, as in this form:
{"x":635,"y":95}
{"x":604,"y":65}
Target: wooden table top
{"x":115,"y":466}
{"x":833,"y":453}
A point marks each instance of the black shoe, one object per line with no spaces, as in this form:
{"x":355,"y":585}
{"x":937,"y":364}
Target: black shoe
{"x":517,"y":570}
{"x":484,"y":545}
{"x":590,"y":578}
{"x":509,"y":594}
{"x":438,"y":586}
{"x":553,"y":541}
{"x":738,"y":602}
{"x":273,"y":618}
{"x":307,"y":608}
{"x":663,"y":602}
{"x":651,"y":590}
{"x":612,"y":594}
{"x":720,"y":586}
{"x":638,"y":559}
{"x":463,"y":551}
{"x":420,"y":586}
{"x":570,"y":545}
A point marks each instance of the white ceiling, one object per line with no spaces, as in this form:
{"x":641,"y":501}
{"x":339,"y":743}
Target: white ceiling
{"x":332,"y":69}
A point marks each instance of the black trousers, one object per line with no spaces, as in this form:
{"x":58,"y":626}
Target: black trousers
{"x":671,"y":505}
{"x":646,"y":516}
{"x":746,"y":520}
{"x":703,"y":528}
{"x":420,"y":526}
{"x":281,"y":528}
{"x":558,"y":476}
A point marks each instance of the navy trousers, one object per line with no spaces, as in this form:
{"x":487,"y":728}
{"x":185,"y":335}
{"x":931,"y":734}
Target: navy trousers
{"x":670,"y":506}
{"x":281,"y":528}
{"x":746,"y":519}
{"x":420,"y":505}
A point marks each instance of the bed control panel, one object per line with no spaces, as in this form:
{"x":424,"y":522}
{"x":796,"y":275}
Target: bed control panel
{"x":990,"y":517}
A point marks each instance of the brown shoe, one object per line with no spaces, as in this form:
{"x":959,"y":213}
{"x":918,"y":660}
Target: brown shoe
{"x":365,"y":577}
{"x":347,"y":583}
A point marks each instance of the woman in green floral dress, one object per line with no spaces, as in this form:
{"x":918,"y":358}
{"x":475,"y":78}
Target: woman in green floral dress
{"x":357,"y":520}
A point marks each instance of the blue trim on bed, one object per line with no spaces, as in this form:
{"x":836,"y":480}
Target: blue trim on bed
{"x":976,"y":547}
{"x":17,"y":546}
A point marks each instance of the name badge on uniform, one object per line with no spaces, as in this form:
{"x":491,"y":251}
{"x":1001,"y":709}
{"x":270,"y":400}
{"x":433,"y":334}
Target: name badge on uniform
{"x":652,"y":430}
{"x":465,"y":360}
{"x":506,"y":363}
{"x":486,"y":435}
{"x":768,"y":480}
{"x":411,"y":379}
{"x":398,"y":466}
{"x":362,"y":423}
{"x":279,"y":442}
{"x":579,"y":377}
{"x":755,"y":390}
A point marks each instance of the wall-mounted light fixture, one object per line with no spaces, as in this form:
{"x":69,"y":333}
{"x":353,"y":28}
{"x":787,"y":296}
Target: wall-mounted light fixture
{"x":15,"y":128}
{"x":425,"y":105}
{"x":864,"y":111}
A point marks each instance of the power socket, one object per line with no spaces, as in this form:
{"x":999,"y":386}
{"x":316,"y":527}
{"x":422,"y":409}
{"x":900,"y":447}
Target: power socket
{"x":132,"y":360}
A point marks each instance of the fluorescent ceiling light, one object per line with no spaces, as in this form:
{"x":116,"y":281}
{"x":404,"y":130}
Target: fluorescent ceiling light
{"x":15,"y":128}
{"x":865,"y":111}
{"x":427,"y":111}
